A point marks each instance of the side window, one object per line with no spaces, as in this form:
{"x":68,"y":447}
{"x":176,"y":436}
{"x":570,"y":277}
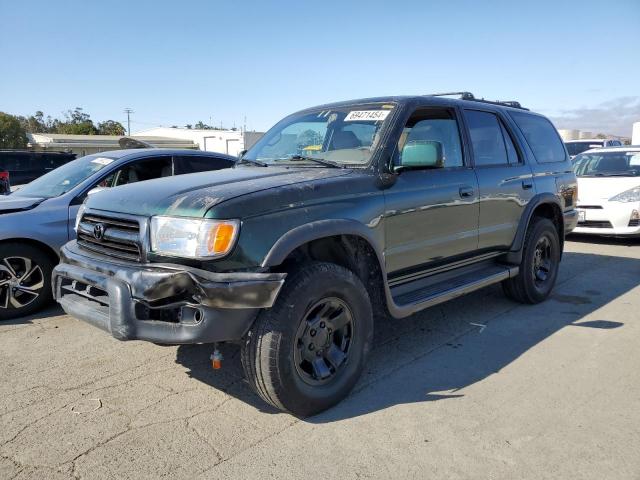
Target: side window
{"x":541,"y":136}
{"x":487,"y":138}
{"x":198,"y":163}
{"x":434,"y":125}
{"x":147,"y":169}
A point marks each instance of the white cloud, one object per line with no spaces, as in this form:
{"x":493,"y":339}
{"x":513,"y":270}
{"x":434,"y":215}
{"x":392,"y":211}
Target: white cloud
{"x":614,"y":117}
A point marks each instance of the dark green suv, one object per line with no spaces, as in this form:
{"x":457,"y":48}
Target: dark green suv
{"x":339,"y":213}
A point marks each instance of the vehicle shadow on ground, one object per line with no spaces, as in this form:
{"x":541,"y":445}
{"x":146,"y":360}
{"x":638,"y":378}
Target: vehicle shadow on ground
{"x":434,"y":358}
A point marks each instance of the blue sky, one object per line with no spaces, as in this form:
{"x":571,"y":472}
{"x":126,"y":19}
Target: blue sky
{"x":180,"y":62}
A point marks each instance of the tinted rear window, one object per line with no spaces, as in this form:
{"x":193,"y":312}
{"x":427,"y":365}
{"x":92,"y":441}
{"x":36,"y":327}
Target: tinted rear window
{"x":541,"y":136}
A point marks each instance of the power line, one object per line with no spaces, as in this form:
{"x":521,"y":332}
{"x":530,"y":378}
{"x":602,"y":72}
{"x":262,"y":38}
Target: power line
{"x":128,"y":111}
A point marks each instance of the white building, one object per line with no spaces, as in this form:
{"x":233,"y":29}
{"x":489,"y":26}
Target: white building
{"x":224,"y":141}
{"x":635,"y":136}
{"x":573,"y":134}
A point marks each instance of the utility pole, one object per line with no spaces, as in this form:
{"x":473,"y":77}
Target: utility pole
{"x":128,"y":111}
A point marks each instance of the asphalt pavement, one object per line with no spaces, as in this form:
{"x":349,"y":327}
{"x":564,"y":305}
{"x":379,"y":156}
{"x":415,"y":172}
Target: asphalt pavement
{"x":480,"y":387}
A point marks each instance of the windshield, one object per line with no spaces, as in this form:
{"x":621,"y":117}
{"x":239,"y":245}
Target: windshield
{"x":345,"y":135}
{"x":65,"y":177}
{"x":607,"y":164}
{"x":576,"y":148}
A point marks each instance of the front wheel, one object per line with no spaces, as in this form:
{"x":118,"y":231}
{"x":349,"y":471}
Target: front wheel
{"x":25,"y":280}
{"x":539,"y":265}
{"x":305,"y":353}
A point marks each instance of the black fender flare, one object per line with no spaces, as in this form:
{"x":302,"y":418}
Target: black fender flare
{"x":316,"y":230}
{"x":515,"y":255}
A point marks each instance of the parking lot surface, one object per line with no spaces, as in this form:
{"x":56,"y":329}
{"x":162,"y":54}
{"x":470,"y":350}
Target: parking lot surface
{"x":477,"y":388}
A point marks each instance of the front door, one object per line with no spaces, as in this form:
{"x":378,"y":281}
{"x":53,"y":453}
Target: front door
{"x":431,"y":214}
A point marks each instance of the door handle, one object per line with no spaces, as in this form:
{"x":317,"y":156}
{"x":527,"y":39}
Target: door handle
{"x":527,"y":184}
{"x":466,"y":192}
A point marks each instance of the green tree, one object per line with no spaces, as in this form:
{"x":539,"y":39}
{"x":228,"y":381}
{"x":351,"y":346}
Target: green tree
{"x":36,"y":123}
{"x":12,"y":133}
{"x":110,"y":127}
{"x":77,"y":123}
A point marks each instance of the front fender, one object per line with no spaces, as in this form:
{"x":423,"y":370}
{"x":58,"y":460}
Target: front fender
{"x":321,"y":229}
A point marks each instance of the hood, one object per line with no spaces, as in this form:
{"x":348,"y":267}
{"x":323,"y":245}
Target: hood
{"x":14,"y":203}
{"x":193,"y":194}
{"x":598,"y":189}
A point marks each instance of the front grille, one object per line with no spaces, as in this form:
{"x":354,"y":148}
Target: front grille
{"x":595,"y":224}
{"x":634,"y":222}
{"x":115,"y":237}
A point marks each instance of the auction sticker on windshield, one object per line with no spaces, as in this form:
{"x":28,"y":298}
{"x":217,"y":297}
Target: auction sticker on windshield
{"x":102,"y":161}
{"x":366,"y":115}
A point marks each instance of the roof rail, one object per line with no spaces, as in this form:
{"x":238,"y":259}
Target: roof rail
{"x":462,"y":95}
{"x":470,"y":96}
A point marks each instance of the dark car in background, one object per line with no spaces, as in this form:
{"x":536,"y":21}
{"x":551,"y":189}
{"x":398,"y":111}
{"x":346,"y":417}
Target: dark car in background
{"x":36,"y":220}
{"x":24,"y":166}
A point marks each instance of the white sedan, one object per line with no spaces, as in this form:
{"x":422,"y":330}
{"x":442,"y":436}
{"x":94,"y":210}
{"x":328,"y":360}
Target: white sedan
{"x":609,"y":191}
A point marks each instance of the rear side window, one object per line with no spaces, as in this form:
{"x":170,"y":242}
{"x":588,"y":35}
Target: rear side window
{"x":197,"y":163}
{"x":541,"y":136}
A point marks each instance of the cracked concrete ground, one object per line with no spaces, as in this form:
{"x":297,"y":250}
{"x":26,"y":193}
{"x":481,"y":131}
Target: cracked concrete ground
{"x":545,"y":391}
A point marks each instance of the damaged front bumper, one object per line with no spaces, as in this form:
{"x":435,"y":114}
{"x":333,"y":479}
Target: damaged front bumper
{"x":163,"y":303}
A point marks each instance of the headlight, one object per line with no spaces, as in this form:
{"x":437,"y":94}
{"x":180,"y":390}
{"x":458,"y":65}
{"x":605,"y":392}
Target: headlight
{"x":193,"y":238}
{"x":79,"y":216}
{"x":631,"y":195}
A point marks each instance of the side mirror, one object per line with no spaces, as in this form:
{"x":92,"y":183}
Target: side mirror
{"x":418,"y":154}
{"x":241,"y":154}
{"x":95,"y":190}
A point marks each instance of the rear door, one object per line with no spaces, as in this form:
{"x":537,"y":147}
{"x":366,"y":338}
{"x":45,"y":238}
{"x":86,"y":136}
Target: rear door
{"x":504,"y":179}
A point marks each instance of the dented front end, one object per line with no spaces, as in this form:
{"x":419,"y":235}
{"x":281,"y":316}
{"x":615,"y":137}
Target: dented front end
{"x":163,"y":303}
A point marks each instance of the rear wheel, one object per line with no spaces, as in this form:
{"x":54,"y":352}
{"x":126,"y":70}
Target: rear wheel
{"x":25,"y":280}
{"x":539,"y":265}
{"x":305,"y":353}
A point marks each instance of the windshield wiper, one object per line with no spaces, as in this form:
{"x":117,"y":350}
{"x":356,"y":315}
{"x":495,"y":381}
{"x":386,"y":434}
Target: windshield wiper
{"x":321,"y":161}
{"x":253,"y":162}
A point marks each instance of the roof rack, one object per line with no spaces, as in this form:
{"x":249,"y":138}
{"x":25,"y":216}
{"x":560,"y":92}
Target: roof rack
{"x":470,"y":96}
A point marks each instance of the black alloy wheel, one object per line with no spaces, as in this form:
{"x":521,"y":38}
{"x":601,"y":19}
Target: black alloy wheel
{"x":323,"y":341}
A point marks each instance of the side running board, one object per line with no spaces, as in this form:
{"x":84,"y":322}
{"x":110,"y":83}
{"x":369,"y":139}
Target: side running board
{"x":411,"y":298}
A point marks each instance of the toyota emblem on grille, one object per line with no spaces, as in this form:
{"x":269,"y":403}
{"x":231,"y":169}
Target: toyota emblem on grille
{"x":98,"y":231}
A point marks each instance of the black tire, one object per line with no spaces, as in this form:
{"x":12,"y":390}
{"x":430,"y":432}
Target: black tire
{"x":535,"y":281}
{"x":13,"y":260}
{"x":274,"y":350}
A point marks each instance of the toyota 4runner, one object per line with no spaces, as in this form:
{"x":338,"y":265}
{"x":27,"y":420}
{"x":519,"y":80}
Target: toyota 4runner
{"x":339,"y":213}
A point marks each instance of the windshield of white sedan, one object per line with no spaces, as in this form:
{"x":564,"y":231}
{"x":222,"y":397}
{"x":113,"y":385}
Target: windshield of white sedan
{"x":339,"y":136}
{"x":65,"y":177}
{"x":607,"y":164}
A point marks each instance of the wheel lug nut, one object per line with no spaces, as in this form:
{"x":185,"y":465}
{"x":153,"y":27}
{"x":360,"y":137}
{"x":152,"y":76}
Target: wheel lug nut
{"x":322,"y":324}
{"x":329,"y":330}
{"x":319,"y":352}
{"x":312,"y":333}
{"x":311,"y":346}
